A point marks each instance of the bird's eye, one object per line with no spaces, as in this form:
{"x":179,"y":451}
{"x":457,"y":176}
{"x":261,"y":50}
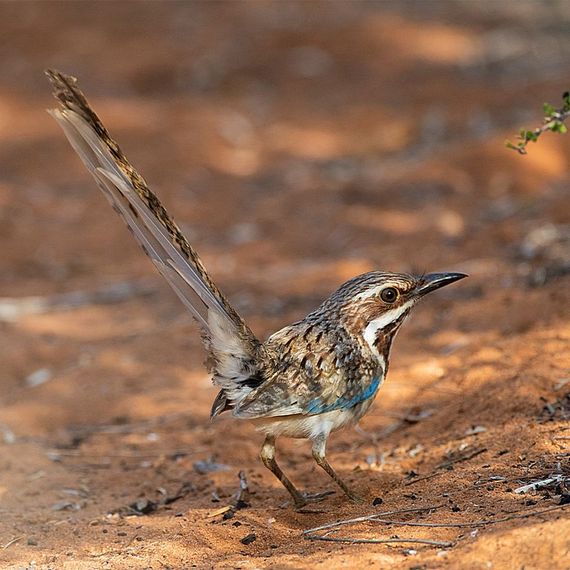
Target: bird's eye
{"x":389,"y":295}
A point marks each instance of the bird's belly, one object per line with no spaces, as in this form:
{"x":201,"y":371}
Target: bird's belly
{"x":310,"y":427}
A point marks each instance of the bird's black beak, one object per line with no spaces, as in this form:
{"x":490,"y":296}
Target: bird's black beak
{"x":433,"y":281}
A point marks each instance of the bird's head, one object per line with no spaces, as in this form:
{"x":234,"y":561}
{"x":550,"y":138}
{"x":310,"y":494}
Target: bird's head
{"x":373,"y":306}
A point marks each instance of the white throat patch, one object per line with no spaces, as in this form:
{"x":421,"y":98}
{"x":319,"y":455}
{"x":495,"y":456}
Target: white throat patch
{"x":379,"y":323}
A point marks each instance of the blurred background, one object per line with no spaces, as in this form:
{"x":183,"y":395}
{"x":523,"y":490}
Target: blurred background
{"x":297,"y":144}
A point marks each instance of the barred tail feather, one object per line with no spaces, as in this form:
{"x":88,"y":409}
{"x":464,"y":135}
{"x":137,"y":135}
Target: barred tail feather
{"x":233,"y":347}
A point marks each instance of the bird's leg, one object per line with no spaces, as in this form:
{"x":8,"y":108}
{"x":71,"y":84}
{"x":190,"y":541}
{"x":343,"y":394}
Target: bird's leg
{"x":319,"y":447}
{"x":268,"y":458}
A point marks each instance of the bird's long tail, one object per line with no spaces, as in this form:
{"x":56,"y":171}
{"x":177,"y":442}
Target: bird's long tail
{"x":232,"y":346}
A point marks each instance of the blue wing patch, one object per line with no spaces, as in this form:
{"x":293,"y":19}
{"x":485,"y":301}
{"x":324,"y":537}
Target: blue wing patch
{"x":316,"y":406}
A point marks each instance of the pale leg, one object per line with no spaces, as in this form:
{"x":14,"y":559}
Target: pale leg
{"x":319,"y":447}
{"x":268,"y":458}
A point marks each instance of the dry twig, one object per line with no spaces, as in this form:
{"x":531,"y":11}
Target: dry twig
{"x":440,"y":543}
{"x":371,"y":517}
{"x":310,"y":534}
{"x":10,"y":542}
{"x":474,"y":524}
{"x":243,"y":495}
{"x":542,"y":483}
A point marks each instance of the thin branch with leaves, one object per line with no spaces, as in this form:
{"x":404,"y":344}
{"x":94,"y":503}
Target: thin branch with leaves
{"x":553,"y":121}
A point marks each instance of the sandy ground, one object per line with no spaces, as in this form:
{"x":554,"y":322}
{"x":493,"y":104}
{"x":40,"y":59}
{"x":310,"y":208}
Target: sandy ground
{"x":297,"y":145}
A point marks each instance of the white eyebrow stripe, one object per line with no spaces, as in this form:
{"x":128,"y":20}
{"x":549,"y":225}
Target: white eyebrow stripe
{"x":375,"y":290}
{"x":370,"y":292}
{"x":380,"y":322}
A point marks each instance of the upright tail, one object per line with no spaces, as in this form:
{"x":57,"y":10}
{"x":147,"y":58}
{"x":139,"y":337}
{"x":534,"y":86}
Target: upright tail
{"x":233,"y":349}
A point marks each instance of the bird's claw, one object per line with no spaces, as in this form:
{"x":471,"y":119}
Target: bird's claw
{"x":305,"y":498}
{"x":355,"y":498}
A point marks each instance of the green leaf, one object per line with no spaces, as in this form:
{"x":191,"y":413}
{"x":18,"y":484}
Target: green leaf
{"x":530,"y":136}
{"x":520,"y":148}
{"x":548,"y":109}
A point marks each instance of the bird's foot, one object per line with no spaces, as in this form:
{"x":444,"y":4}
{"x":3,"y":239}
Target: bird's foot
{"x":354,"y":498}
{"x":305,"y":498}
{"x":316,"y":497}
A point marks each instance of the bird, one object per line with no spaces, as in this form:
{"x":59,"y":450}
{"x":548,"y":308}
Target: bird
{"x":308,"y":379}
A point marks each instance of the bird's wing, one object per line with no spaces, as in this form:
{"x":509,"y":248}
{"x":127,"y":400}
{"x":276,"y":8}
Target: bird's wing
{"x":226,"y":334}
{"x":279,"y":398}
{"x":315,"y":374}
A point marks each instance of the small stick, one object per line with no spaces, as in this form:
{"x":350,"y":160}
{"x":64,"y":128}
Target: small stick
{"x":380,"y":540}
{"x":543,"y":483}
{"x":484,"y":522}
{"x":325,"y":537}
{"x":220,"y":511}
{"x":240,"y":500}
{"x":493,"y":481}
{"x":243,"y":495}
{"x":10,"y":542}
{"x":371,"y":517}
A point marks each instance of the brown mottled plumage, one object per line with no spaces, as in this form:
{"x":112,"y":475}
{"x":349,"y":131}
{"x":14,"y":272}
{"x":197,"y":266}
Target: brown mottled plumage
{"x":306,"y":380}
